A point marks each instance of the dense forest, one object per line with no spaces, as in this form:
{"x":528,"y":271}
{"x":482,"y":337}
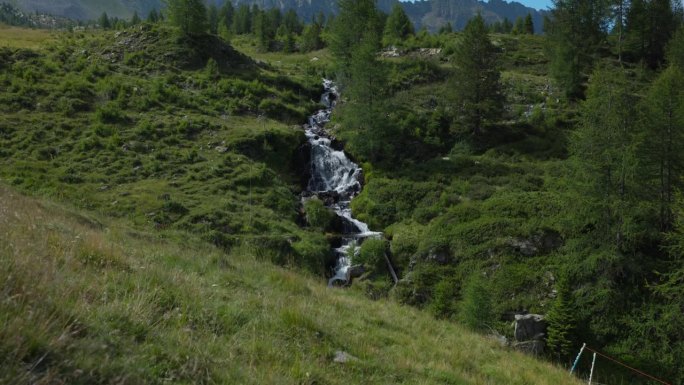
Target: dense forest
{"x":509,"y":172}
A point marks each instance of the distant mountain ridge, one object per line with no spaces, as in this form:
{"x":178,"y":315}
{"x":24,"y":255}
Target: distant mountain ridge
{"x":431,"y":14}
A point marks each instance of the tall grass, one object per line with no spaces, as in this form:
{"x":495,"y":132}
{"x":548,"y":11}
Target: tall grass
{"x":84,"y":301}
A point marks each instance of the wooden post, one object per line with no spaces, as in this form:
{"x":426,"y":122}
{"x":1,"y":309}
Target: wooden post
{"x":391,"y":269}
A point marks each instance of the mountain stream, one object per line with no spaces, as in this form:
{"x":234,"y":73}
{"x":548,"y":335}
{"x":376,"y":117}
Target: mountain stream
{"x":335,"y":179}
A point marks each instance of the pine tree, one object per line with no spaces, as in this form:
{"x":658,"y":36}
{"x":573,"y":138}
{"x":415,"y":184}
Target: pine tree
{"x":291,"y":22}
{"x":135,"y":19}
{"x":153,"y":16}
{"x":188,"y":15}
{"x":662,"y":160}
{"x":649,"y":26}
{"x":104,"y":21}
{"x":311,"y":38}
{"x":226,"y":14}
{"x":519,"y":27}
{"x":355,"y":20}
{"x":398,"y":26}
{"x":213,"y":19}
{"x":604,"y":151}
{"x":446,"y":28}
{"x":242,"y":20}
{"x":260,"y":29}
{"x":529,"y":25}
{"x":561,"y":323}
{"x":506,"y":25}
{"x":575,"y":31}
{"x":476,"y":88}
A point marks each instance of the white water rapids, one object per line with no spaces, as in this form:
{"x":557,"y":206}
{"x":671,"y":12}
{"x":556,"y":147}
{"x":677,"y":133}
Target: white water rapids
{"x":334,"y":175}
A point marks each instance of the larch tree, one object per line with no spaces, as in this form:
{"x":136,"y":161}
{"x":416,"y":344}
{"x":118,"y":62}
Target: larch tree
{"x":188,"y":15}
{"x":213,"y":19}
{"x":603,"y":149}
{"x":398,"y":26}
{"x":575,"y":31}
{"x":529,"y":24}
{"x":662,"y":128}
{"x":475,"y":85}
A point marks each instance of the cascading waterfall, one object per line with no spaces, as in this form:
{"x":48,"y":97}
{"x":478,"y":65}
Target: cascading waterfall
{"x":336,"y":177}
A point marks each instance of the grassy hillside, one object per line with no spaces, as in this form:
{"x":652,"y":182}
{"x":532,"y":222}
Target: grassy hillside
{"x":88,"y":300}
{"x":164,"y":130}
{"x":17,"y":37}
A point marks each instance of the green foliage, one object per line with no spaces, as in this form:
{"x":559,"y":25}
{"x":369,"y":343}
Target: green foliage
{"x":476,"y":89}
{"x":604,"y":148}
{"x":372,"y":254}
{"x":475,"y":309}
{"x":188,"y":15}
{"x":357,"y":24}
{"x":311,"y":39}
{"x":398,"y":26}
{"x":663,"y":114}
{"x":444,"y":303}
{"x":575,"y":31}
{"x":649,"y":26}
{"x":317,"y":215}
{"x":561,"y":323}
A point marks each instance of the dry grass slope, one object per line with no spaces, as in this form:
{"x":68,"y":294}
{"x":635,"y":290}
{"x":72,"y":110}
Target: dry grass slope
{"x":84,"y":301}
{"x":17,"y":37}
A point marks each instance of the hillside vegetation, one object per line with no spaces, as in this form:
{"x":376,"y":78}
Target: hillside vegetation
{"x":509,"y":173}
{"x":107,"y":303}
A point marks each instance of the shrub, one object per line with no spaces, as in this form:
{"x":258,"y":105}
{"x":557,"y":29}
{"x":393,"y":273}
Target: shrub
{"x":475,"y":309}
{"x":317,"y":215}
{"x":372,"y":254}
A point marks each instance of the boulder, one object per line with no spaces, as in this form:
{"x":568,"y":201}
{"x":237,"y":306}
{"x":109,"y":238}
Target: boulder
{"x":355,"y":272}
{"x":529,"y":327}
{"x":533,"y":347}
{"x":343,"y":357}
{"x":441,"y":256}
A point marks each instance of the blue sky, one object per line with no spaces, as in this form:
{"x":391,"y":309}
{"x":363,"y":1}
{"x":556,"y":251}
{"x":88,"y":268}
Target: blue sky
{"x":539,"y":4}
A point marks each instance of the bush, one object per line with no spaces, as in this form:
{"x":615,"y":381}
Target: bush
{"x":475,"y":310}
{"x":372,"y":254}
{"x":317,"y":215}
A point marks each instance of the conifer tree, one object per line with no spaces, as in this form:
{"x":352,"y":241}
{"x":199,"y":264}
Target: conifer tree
{"x":604,"y":150}
{"x":153,"y":16}
{"x":188,"y":15}
{"x":135,"y":19}
{"x":104,"y":21}
{"x":311,"y":38}
{"x":291,"y":22}
{"x":397,"y":27}
{"x":446,"y":28}
{"x":575,"y":31}
{"x":242,"y":20}
{"x":519,"y":27}
{"x":529,"y":25}
{"x":213,"y":19}
{"x":662,"y":141}
{"x":226,"y":13}
{"x":356,"y":19}
{"x":475,"y":85}
{"x":561,"y":322}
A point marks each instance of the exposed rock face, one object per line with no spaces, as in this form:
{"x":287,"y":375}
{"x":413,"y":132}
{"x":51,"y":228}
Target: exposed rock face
{"x":355,"y":272}
{"x":529,"y":327}
{"x":540,"y":243}
{"x":530,"y":333}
